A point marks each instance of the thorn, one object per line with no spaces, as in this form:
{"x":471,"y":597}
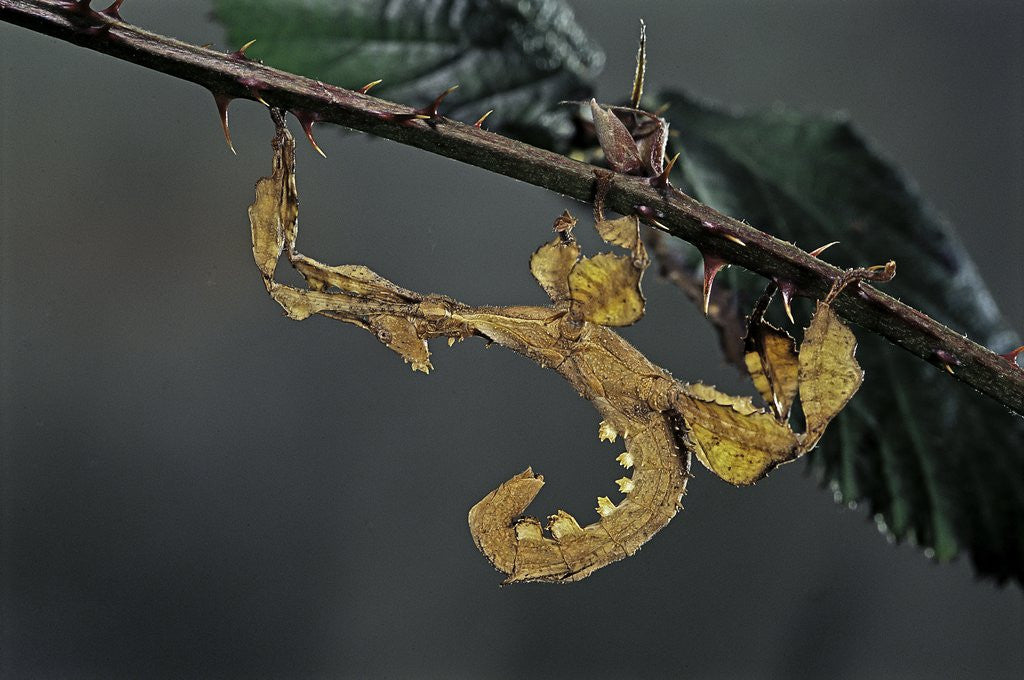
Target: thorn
{"x":370,"y":85}
{"x":482,"y":118}
{"x":718,"y":229}
{"x":306,"y":120}
{"x":114,"y":11}
{"x":646,"y":211}
{"x":255,"y":85}
{"x":451,"y":341}
{"x":671,"y":164}
{"x":240,"y":52}
{"x":431,"y":111}
{"x":81,"y":6}
{"x":605,"y":506}
{"x":1012,"y":355}
{"x":819,"y":250}
{"x":786,"y":292}
{"x":223,"y":101}
{"x":712,"y":265}
{"x":97,"y":23}
{"x":945,"y":359}
{"x":425,"y":113}
{"x":661,"y":181}
{"x":206,"y":46}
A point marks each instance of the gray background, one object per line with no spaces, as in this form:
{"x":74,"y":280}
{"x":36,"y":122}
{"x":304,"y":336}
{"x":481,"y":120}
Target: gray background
{"x":194,"y":486}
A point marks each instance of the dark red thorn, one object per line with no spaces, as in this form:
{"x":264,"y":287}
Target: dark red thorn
{"x":96,"y":23}
{"x":255,"y":85}
{"x":661,"y":181}
{"x":720,"y":230}
{"x":223,"y":101}
{"x":646,"y":211}
{"x":481,"y":119}
{"x":1012,"y":355}
{"x":306,"y":120}
{"x":403,"y":118}
{"x":431,"y":110}
{"x":240,"y":52}
{"x":819,"y":250}
{"x":786,"y":290}
{"x":945,"y":359}
{"x":80,"y":6}
{"x":369,"y":86}
{"x":427,"y":113}
{"x":114,"y":11}
{"x":712,"y":265}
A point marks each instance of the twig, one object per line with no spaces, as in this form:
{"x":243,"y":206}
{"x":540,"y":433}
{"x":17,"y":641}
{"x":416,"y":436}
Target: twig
{"x":233,"y":76}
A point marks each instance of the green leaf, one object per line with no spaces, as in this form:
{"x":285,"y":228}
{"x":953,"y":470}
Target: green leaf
{"x":518,"y":57}
{"x":939,"y":464}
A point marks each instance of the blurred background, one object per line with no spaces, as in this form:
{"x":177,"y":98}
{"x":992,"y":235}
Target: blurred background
{"x":194,"y":486}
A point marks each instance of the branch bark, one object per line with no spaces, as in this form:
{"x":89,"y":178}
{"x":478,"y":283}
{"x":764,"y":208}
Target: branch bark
{"x":226,"y":75}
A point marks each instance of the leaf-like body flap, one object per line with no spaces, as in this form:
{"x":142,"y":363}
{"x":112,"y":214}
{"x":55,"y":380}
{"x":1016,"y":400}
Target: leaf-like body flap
{"x":551,"y":264}
{"x":771,"y":359}
{"x":399,"y":334}
{"x":735,"y":441}
{"x":274,"y":214}
{"x":605,"y":289}
{"x":354,"y":279}
{"x":829,"y":373}
{"x":623,"y":231}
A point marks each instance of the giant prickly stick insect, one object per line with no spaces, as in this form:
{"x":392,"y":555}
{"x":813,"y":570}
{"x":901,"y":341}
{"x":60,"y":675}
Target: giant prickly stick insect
{"x":662,"y":421}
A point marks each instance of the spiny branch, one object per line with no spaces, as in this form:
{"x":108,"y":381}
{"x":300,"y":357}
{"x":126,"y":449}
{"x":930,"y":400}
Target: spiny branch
{"x":233,"y":76}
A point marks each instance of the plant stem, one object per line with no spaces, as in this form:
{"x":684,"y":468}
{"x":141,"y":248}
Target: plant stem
{"x":230,"y":76}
